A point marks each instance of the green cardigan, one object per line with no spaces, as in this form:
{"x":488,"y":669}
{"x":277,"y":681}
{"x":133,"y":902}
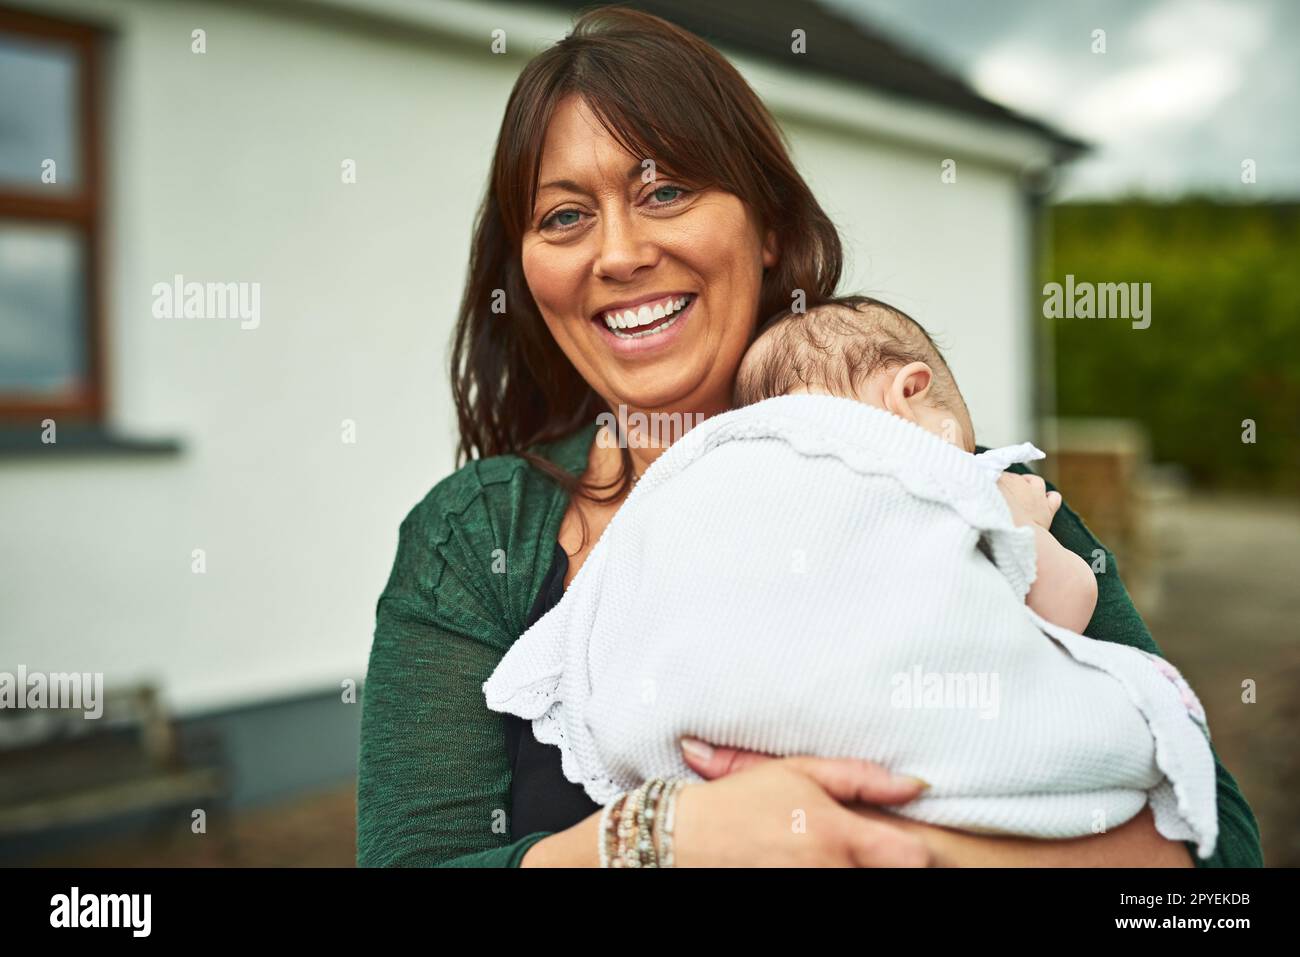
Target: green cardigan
{"x":434,"y":777}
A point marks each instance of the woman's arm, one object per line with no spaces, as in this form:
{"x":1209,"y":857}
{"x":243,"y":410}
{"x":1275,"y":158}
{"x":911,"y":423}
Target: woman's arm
{"x":434,"y":778}
{"x":1136,"y":843}
{"x":1115,"y":619}
{"x":746,"y":820}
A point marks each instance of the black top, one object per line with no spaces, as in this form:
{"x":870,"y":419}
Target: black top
{"x":541,"y":798}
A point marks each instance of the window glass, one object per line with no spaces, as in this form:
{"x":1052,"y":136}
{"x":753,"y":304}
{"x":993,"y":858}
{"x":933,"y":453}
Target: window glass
{"x":38,"y":114}
{"x":42,"y":308}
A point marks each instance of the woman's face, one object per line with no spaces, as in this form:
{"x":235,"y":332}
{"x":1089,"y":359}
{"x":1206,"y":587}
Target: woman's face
{"x":676,"y":271}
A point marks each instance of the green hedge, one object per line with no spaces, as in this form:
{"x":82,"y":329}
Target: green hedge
{"x":1224,"y":339}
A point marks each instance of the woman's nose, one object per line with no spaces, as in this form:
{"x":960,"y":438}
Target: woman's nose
{"x":624,"y":247}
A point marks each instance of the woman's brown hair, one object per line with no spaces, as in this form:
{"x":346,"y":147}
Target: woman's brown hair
{"x":663,"y":93}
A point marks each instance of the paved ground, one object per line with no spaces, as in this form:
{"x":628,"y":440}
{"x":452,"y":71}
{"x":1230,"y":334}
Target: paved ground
{"x":1230,"y":612}
{"x":318,"y":830}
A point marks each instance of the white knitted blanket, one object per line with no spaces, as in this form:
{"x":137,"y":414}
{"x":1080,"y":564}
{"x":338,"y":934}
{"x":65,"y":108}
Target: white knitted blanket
{"x":804,"y":576}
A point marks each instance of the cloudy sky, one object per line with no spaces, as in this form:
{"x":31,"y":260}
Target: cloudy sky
{"x":1185,"y":91}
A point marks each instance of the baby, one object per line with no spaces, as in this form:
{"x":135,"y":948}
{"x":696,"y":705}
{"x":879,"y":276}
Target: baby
{"x":858,"y":348}
{"x":830,"y":569}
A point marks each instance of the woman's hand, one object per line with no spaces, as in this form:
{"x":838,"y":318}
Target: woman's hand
{"x":762,"y":811}
{"x":769,"y":812}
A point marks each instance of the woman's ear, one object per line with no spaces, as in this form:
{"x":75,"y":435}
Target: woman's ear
{"x":909,"y":388}
{"x":771,"y":250}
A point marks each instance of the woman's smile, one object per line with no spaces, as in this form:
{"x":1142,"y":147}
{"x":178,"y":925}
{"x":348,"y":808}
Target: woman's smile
{"x":645,"y":325}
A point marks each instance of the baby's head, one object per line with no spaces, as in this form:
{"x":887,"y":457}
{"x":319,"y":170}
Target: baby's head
{"x":857,"y":348}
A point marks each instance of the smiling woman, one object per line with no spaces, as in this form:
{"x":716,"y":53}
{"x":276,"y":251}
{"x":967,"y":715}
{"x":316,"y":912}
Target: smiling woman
{"x":628,"y":247}
{"x":643,"y":220}
{"x":610,"y":191}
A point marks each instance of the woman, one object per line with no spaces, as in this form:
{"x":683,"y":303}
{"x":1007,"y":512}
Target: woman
{"x":634,"y":167}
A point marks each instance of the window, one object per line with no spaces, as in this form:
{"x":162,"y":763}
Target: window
{"x":50,"y":339}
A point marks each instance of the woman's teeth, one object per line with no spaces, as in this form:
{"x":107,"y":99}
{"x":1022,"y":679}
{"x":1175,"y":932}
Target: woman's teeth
{"x":619,"y":322}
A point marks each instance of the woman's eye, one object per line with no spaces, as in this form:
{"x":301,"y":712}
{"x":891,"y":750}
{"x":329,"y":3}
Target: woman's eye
{"x":674,"y":192}
{"x":558,"y":219}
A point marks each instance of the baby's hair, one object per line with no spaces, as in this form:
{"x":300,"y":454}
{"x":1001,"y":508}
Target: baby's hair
{"x":838,"y":344}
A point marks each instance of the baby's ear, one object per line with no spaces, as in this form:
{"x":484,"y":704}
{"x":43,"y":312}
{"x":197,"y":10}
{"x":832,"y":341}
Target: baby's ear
{"x":910,"y":387}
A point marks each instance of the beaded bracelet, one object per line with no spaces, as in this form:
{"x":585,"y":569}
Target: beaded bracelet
{"x":666,"y":856}
{"x":645,"y":847}
{"x":636,"y":828}
{"x":628,"y":827}
{"x":608,"y":820}
{"x":619,"y":827}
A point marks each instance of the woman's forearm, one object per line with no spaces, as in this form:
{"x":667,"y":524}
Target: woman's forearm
{"x":1135,"y":843}
{"x":573,"y":847}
